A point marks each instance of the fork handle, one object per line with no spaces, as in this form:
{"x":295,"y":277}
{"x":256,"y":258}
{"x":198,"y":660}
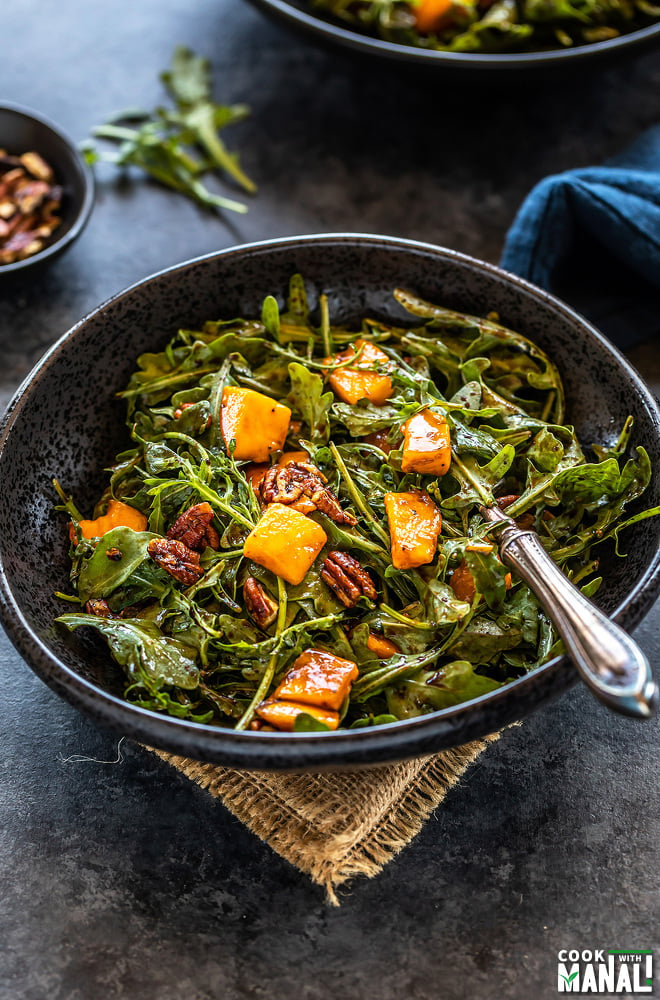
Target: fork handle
{"x":609,"y":661}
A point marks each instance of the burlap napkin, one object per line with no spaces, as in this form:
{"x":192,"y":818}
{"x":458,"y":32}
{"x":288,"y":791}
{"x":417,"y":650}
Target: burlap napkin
{"x":334,"y":826}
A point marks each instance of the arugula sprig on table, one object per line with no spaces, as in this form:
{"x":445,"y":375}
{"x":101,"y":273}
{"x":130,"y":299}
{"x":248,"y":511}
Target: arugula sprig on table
{"x":194,"y":652}
{"x":178,"y":145}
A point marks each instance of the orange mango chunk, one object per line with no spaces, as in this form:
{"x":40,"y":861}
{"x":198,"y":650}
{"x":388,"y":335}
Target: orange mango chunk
{"x":426,"y":444}
{"x":352,"y":384}
{"x":257,"y":423}
{"x":382,"y":647}
{"x":282,"y":714}
{"x":318,"y":678}
{"x":118,"y":514}
{"x":285,"y":542}
{"x":415,"y":523}
{"x":432,"y":15}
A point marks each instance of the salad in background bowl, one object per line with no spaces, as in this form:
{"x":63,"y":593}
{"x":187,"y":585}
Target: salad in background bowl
{"x":478,"y":38}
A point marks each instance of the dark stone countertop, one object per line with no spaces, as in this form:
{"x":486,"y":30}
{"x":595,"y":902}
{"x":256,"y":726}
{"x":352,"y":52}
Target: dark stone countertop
{"x":126,"y":881}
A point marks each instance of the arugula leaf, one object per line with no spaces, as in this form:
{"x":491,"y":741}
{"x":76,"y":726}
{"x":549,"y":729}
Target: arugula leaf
{"x":430,"y":691}
{"x":305,"y":723}
{"x":189,"y":83}
{"x":149,"y":658}
{"x":308,"y":401}
{"x":483,"y":639}
{"x":488,"y":573}
{"x":101,"y":574}
{"x":161,"y":143}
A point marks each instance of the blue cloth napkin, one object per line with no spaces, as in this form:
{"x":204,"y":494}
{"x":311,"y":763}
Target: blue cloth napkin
{"x":592,"y":237}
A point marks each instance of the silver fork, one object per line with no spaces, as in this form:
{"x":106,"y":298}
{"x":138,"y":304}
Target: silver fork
{"x":610,"y":663}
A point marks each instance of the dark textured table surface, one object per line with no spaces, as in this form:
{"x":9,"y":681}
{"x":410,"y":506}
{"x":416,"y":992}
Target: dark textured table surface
{"x":124,"y":880}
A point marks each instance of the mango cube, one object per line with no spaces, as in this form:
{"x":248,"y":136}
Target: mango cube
{"x":257,"y":423}
{"x":415,"y":523}
{"x":285,"y":541}
{"x":118,"y":514}
{"x":283,"y":714}
{"x":318,"y":678}
{"x":426,"y":444}
{"x":353,"y":384}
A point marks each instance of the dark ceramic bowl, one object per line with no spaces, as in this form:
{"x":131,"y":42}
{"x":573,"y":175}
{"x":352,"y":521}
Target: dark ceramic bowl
{"x":65,"y":422}
{"x":22,"y":130}
{"x":299,"y":15}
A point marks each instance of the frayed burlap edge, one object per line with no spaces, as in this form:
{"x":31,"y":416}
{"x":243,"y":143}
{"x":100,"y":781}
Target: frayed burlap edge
{"x":334,"y":827}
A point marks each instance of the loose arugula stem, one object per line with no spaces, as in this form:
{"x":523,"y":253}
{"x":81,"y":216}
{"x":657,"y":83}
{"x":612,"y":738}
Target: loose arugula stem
{"x":405,"y":620}
{"x":208,"y":494}
{"x":325,"y":326}
{"x":67,"y":502}
{"x":548,"y":405}
{"x":356,"y":496}
{"x":322,"y":366}
{"x":269,"y":673}
{"x":202,"y":123}
{"x":67,"y":597}
{"x":177,"y":436}
{"x":164,"y":382}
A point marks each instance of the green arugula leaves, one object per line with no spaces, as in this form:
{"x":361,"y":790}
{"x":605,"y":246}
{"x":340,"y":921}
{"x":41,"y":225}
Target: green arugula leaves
{"x":196,"y":652}
{"x":177,"y":146}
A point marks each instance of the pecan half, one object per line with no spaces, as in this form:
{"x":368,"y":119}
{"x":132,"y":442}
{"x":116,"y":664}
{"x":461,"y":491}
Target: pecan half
{"x":287,"y":484}
{"x":344,"y":575}
{"x":176,"y":559}
{"x":259,"y":604}
{"x":100,"y":608}
{"x":194,"y":528}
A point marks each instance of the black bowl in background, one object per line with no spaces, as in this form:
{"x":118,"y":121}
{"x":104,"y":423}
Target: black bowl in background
{"x":299,"y":15}
{"x":65,"y":422}
{"x":21,"y":130}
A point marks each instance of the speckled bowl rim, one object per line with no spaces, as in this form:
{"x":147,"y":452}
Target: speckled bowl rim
{"x":85,"y":210}
{"x":334,"y":33}
{"x":305,"y":751}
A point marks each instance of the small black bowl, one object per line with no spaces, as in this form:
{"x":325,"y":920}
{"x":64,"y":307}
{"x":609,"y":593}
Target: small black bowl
{"x":300,"y":16}
{"x":21,"y":130}
{"x":66,"y":422}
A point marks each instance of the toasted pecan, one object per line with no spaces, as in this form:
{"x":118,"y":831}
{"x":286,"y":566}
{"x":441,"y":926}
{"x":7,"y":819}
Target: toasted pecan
{"x":176,"y":559}
{"x":194,"y":528}
{"x":349,"y":581}
{"x":101,"y":609}
{"x":261,"y":607}
{"x":287,"y":484}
